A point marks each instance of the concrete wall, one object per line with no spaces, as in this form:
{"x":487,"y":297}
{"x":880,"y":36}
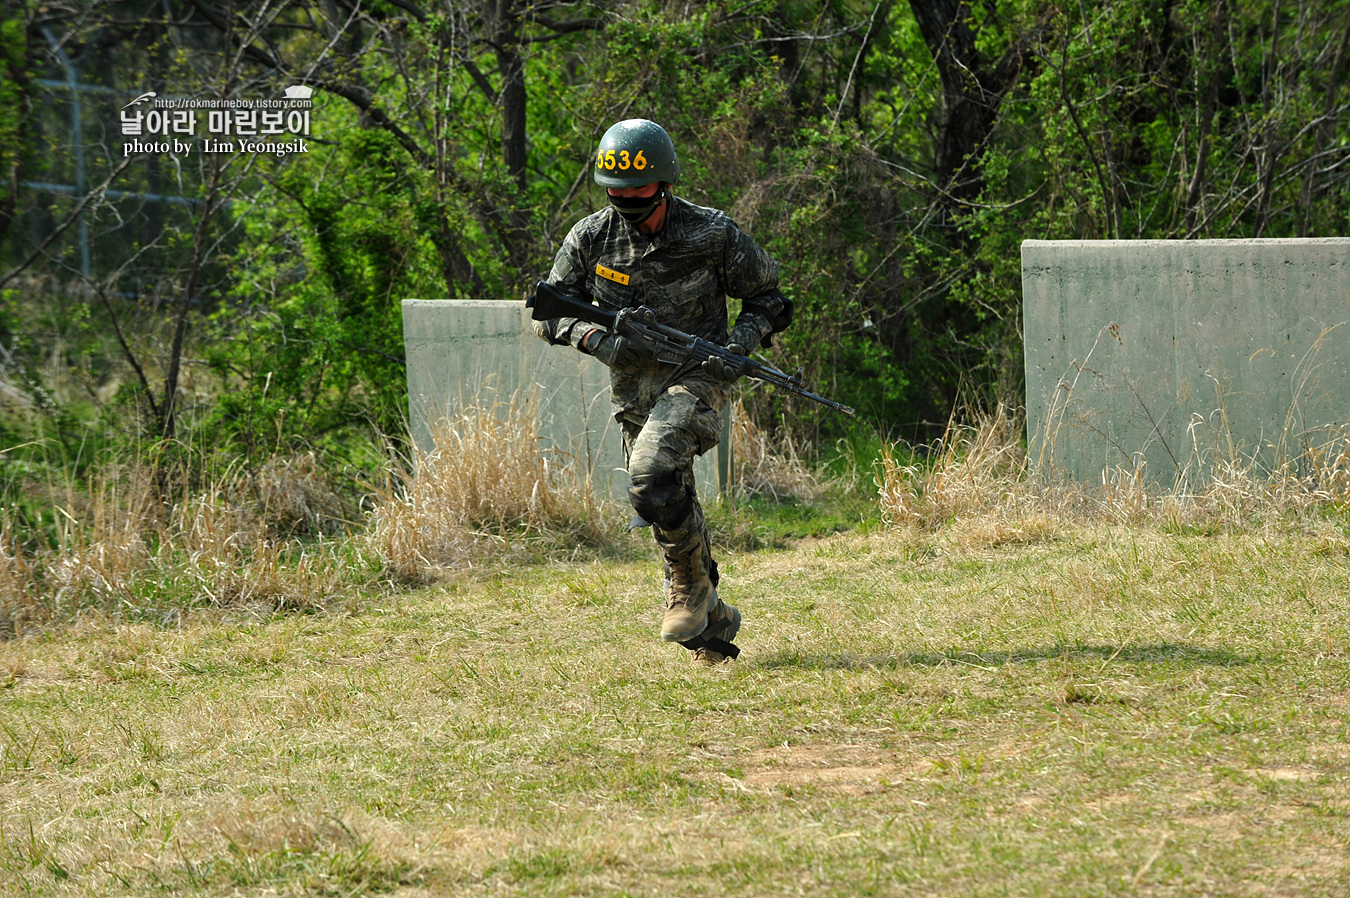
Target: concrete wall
{"x":1175,"y":356}
{"x":462,"y":352}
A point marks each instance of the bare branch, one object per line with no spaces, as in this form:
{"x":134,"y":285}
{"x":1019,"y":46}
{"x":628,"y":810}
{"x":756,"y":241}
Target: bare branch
{"x":90,"y":197}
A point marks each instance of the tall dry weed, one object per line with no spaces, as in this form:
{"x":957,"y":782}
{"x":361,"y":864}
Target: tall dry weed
{"x":136,"y":542}
{"x":978,"y":485}
{"x":976,"y":468}
{"x":486,"y":487}
{"x":203,"y":549}
{"x":1234,"y":491}
{"x":125,"y":547}
{"x":770,"y":466}
{"x":18,"y":600}
{"x":295,"y":495}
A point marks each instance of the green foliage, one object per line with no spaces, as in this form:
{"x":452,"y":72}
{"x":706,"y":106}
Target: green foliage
{"x":817,"y":126}
{"x":13,"y":103}
{"x":762,"y":522}
{"x":311,"y":344}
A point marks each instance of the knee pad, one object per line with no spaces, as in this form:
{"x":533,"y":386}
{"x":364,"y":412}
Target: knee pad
{"x":660,"y":498}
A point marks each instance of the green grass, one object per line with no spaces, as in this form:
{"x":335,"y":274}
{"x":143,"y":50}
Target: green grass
{"x":760,"y":522}
{"x":1106,"y":711}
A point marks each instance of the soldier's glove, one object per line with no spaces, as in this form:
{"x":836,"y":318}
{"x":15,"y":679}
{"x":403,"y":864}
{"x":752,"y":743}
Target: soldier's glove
{"x":619,"y":353}
{"x":725,"y":371}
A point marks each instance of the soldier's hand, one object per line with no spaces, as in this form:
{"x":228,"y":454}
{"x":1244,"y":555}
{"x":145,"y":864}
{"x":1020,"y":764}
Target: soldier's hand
{"x":723,"y":370}
{"x":619,"y":353}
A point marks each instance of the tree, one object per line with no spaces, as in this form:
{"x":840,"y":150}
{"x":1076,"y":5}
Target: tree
{"x":424,"y":51}
{"x":973,"y":87}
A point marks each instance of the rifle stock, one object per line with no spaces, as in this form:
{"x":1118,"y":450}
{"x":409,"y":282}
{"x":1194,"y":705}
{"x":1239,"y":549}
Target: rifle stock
{"x":549,"y":302}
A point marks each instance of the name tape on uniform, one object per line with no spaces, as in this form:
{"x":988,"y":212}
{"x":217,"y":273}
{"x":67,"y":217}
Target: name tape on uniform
{"x":610,"y":274}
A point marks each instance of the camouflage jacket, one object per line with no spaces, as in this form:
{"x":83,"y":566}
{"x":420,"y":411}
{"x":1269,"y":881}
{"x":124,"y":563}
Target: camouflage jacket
{"x":684,"y":274}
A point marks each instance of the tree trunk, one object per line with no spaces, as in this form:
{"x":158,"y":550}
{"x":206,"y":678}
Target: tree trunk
{"x":181,"y":308}
{"x":19,"y":62}
{"x":972,"y":90}
{"x":455,"y":266}
{"x":512,"y":69}
{"x":505,"y":38}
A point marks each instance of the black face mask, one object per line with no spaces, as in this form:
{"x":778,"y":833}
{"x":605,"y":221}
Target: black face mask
{"x":637,"y":209}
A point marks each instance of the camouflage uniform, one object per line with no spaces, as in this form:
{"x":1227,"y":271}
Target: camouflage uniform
{"x":683,"y":273}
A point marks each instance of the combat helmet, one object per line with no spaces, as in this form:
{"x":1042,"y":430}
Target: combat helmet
{"x":635,"y":152}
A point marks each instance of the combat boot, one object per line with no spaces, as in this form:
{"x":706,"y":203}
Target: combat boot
{"x":690,"y":595}
{"x":724,"y":623}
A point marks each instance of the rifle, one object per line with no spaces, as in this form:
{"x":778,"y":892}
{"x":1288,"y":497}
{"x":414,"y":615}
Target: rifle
{"x":670,"y":346}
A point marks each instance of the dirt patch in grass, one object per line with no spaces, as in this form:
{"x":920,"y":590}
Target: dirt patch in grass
{"x":1285,"y":774}
{"x":849,"y":769}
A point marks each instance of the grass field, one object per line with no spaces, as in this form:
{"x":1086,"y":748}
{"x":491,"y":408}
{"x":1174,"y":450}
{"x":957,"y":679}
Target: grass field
{"x":1071,"y":709}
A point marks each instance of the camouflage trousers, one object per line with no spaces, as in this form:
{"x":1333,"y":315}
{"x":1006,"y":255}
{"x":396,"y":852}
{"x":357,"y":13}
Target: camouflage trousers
{"x":660,"y":453}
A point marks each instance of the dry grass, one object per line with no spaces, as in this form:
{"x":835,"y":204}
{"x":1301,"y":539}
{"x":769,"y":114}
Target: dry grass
{"x":978,"y":487}
{"x":122,"y":547}
{"x":486,"y":489}
{"x":770,"y":465}
{"x":975,"y":483}
{"x":125,"y":548}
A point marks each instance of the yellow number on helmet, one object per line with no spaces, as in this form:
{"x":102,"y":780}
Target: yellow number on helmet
{"x":609,"y":159}
{"x":640,"y":161}
{"x":623,"y":159}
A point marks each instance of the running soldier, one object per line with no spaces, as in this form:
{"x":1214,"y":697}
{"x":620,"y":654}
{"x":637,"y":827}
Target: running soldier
{"x":652,"y":248}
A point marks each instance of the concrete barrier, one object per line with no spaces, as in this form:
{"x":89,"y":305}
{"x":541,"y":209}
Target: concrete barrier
{"x":1172,"y":357}
{"x":466,"y":352}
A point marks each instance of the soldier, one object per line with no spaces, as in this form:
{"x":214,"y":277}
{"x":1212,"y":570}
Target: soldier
{"x":652,"y":248}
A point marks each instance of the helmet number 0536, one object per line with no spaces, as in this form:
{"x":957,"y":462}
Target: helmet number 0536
{"x":621,"y":160}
